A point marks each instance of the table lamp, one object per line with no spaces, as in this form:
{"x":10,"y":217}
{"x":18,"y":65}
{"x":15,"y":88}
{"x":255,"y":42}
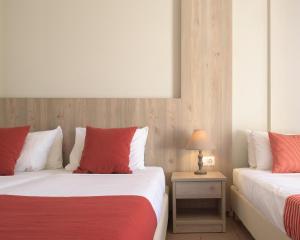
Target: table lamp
{"x":199,"y":141}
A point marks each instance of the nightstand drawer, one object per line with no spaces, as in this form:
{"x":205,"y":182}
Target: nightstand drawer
{"x":186,"y":190}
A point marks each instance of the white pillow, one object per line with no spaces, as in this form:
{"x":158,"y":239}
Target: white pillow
{"x":55,"y":159}
{"x":137,"y":149}
{"x":262,"y":150}
{"x":75,"y":155}
{"x":35,"y":151}
{"x":251,"y":150}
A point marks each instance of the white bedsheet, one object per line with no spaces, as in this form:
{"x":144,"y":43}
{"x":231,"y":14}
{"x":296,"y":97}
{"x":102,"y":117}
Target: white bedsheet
{"x":25,"y":177}
{"x":148,"y":183}
{"x":267,"y":191}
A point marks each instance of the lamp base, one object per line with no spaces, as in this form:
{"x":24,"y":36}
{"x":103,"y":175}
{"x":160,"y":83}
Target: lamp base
{"x":200,"y":172}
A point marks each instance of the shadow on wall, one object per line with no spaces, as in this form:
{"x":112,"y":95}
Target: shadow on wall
{"x":239,"y":149}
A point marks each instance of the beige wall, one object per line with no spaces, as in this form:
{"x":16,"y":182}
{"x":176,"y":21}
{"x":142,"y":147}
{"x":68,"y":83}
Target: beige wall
{"x":1,"y":48}
{"x":250,"y":85}
{"x":265,"y":101}
{"x":92,"y":48}
{"x":285,"y":65}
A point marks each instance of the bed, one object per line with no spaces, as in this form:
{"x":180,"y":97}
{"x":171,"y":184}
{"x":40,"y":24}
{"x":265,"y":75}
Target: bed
{"x":258,"y":199}
{"x":25,"y":177}
{"x":148,"y":184}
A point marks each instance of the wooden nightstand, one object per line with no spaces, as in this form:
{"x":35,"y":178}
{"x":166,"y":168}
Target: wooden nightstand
{"x":199,"y":202}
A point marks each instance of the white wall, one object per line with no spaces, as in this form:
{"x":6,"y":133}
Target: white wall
{"x":250,"y":85}
{"x":285,"y":66}
{"x":91,"y":48}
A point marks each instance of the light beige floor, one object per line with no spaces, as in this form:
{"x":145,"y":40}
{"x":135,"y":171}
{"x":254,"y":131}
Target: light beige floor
{"x":235,"y":231}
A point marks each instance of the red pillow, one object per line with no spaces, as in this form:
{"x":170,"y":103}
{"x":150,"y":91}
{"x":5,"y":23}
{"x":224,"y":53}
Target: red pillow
{"x":11,"y":144}
{"x":286,"y":153}
{"x":106,"y":151}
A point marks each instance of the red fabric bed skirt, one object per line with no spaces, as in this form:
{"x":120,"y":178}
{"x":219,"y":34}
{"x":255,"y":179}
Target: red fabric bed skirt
{"x":74,"y":218}
{"x":292,"y":217}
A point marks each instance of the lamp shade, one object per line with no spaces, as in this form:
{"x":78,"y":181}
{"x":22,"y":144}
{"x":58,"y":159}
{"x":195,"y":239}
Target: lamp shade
{"x":199,"y":141}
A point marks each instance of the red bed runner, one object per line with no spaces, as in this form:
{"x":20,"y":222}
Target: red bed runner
{"x":292,"y":217}
{"x":84,"y":218}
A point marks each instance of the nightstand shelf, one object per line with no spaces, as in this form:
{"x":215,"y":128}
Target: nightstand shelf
{"x":201,"y":216}
{"x":205,"y":191}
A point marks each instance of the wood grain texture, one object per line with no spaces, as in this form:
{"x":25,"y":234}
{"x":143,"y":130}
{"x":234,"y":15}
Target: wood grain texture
{"x":198,"y":189}
{"x":205,"y":102}
{"x":190,"y":176}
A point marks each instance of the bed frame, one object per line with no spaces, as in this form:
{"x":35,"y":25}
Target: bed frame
{"x":254,"y":221}
{"x":162,"y":225}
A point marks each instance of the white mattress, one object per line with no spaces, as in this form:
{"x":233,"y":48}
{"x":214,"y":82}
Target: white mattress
{"x":148,"y":183}
{"x":267,"y":191}
{"x":24,"y":177}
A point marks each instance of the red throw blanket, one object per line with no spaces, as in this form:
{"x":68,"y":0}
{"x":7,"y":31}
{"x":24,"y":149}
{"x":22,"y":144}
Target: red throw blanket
{"x":76,"y":218}
{"x":292,"y":217}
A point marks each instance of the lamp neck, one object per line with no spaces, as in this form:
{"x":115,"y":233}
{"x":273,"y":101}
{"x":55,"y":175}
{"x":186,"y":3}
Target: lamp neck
{"x":200,"y":154}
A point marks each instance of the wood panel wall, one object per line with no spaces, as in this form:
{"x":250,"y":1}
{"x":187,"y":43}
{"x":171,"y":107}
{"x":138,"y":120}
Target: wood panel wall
{"x":205,"y":98}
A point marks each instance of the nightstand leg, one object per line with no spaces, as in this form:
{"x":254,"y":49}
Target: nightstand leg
{"x":174,"y":207}
{"x":223,"y":207}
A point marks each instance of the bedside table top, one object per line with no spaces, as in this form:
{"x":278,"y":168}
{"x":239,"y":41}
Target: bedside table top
{"x":190,"y":176}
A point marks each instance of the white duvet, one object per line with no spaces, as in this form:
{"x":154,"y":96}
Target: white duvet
{"x":25,"y":177}
{"x":148,"y":183}
{"x":267,"y":191}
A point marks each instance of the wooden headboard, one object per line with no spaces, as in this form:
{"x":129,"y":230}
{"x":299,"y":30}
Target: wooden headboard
{"x":205,"y":98}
